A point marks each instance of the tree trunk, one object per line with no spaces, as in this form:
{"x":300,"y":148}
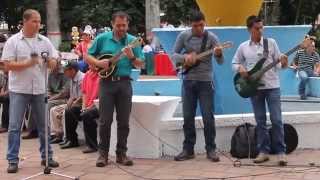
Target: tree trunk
{"x":298,"y":12}
{"x":53,"y":22}
{"x":152,"y":14}
{"x":275,"y":13}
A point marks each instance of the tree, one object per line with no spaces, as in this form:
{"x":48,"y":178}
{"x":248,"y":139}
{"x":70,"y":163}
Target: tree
{"x":298,"y":11}
{"x":152,"y":14}
{"x":178,"y":11}
{"x":53,"y":22}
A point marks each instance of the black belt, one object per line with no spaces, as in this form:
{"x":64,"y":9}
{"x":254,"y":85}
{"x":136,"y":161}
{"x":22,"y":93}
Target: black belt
{"x":118,"y":78}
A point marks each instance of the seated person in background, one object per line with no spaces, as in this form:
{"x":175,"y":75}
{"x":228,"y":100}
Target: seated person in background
{"x":89,"y":112}
{"x":82,"y":50}
{"x":58,"y":92}
{"x":306,"y":62}
{"x":74,"y":104}
{"x":56,"y":81}
{"x":4,"y":100}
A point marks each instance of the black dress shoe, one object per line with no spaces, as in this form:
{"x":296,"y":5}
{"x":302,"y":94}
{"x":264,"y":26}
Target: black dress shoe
{"x":123,"y":159}
{"x":69,"y":145}
{"x":212,"y":155}
{"x":56,"y":140}
{"x":184,"y":155}
{"x":89,"y":150}
{"x":102,"y":160}
{"x":12,"y":168}
{"x":31,"y":135}
{"x":64,"y":142}
{"x":3,"y":130}
{"x":51,"y":163}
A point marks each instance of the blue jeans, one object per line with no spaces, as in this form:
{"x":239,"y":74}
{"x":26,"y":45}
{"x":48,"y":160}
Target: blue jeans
{"x":272,"y":97}
{"x":18,"y":105}
{"x":192,"y":91}
{"x":304,"y":78}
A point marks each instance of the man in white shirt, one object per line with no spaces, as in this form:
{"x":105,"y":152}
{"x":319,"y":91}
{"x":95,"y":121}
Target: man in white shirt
{"x":22,"y":57}
{"x":247,"y":55}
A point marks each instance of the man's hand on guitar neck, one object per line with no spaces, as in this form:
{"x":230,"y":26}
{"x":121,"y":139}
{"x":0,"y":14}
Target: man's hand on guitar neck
{"x":284,"y":61}
{"x":217,"y":51}
{"x":128,"y":52}
{"x":189,"y":59}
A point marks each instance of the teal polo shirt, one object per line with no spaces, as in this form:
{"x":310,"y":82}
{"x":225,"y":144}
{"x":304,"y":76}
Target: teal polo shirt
{"x":106,"y":44}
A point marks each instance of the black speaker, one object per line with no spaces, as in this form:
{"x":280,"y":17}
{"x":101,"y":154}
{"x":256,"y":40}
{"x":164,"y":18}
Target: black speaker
{"x":290,"y":138}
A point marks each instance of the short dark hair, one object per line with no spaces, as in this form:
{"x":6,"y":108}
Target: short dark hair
{"x":120,"y":14}
{"x":28,"y":13}
{"x":197,"y":16}
{"x":251,"y":20}
{"x":3,"y":38}
{"x":71,"y":64}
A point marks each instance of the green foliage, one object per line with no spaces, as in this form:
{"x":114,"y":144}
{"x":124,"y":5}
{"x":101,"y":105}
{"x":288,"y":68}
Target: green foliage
{"x":65,"y":46}
{"x":178,"y":8}
{"x":98,"y":13}
{"x":298,"y":11}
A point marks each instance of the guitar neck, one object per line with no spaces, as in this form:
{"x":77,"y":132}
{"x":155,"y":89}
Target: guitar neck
{"x":116,"y":57}
{"x":274,"y":63}
{"x":204,"y":54}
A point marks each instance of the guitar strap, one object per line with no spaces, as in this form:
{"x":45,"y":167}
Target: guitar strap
{"x":204,"y":42}
{"x":202,"y":49}
{"x":265,"y":49}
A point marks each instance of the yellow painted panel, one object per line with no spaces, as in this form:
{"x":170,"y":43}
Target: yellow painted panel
{"x":228,"y":12}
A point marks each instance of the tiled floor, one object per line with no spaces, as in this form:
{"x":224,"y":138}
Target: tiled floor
{"x":74,"y":163}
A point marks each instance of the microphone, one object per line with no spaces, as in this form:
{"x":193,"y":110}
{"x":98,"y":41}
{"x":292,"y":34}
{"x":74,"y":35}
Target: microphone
{"x":45,"y":56}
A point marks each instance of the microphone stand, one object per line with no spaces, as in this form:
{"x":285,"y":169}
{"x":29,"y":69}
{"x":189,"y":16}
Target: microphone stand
{"x":47,"y":169}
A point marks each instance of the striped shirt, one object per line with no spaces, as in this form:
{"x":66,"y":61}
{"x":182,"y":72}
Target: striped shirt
{"x":306,"y":62}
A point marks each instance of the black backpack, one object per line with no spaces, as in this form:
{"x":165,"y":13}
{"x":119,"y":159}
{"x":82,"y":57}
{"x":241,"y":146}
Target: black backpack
{"x":243,"y":142}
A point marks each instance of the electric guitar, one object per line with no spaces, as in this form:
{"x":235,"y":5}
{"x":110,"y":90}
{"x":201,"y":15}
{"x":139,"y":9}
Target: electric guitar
{"x":247,"y":87}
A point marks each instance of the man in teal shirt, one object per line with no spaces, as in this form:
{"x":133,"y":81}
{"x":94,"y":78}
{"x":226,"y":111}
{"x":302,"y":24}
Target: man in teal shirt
{"x":115,"y":91}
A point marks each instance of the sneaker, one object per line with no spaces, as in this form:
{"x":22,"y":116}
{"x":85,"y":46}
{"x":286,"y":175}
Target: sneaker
{"x":262,"y":157}
{"x":184,"y":155}
{"x":303,"y":97}
{"x":282,"y":160}
{"x":213,"y":156}
{"x":12,"y":168}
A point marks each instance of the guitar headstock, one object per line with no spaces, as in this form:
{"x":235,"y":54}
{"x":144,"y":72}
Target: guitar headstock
{"x":135,"y":43}
{"x":308,"y":40}
{"x":227,"y":44}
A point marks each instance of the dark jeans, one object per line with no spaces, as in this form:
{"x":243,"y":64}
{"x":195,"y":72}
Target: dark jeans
{"x":118,"y":95}
{"x":192,"y":91}
{"x":4,"y":100}
{"x":272,"y":97}
{"x":90,"y":127}
{"x":72,"y":116}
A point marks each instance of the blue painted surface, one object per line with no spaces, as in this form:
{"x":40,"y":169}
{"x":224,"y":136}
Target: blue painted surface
{"x":313,"y":87}
{"x":226,"y":99}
